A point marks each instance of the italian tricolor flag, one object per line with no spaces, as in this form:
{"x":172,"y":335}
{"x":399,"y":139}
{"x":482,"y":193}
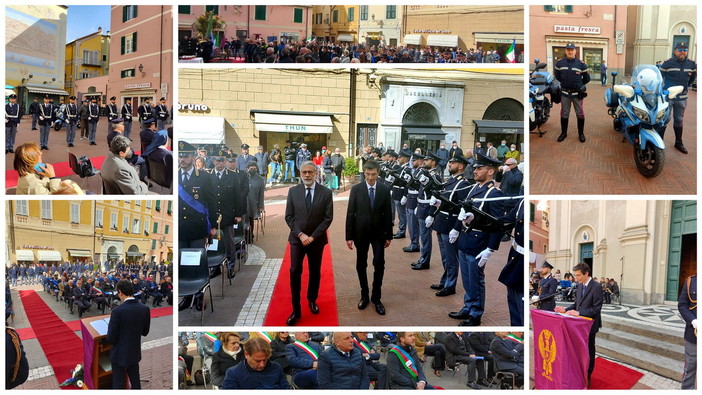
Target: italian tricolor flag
{"x":515,"y":339}
{"x":510,"y":52}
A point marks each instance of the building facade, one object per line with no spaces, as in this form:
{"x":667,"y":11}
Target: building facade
{"x":161,"y":232}
{"x":350,"y":108}
{"x":654,"y":30}
{"x":539,"y":224}
{"x":493,"y":27}
{"x":141,"y":54}
{"x":598,"y":32}
{"x":336,"y":23}
{"x":270,"y":22}
{"x":122,"y":227}
{"x":35,"y":50}
{"x":648,"y":246}
{"x":86,"y":57}
{"x":380,"y":24}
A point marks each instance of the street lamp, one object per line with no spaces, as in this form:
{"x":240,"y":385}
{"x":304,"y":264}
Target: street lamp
{"x":141,"y":68}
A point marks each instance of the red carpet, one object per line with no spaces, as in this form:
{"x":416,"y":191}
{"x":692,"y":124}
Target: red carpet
{"x":62,"y":169}
{"x":280,"y":309}
{"x":610,"y":375}
{"x":62,"y":347}
{"x":28,"y":333}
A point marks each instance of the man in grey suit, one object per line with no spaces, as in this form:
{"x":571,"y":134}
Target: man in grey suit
{"x":243,"y":159}
{"x":308,"y":213}
{"x":119,"y":176}
{"x":588,"y":303}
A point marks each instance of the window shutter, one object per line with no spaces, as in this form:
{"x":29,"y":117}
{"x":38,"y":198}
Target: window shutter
{"x":548,"y":8}
{"x":125,"y":13}
{"x":135,"y":11}
{"x":122,"y":41}
{"x":569,"y":8}
{"x":134,"y":42}
{"x":531,"y":212}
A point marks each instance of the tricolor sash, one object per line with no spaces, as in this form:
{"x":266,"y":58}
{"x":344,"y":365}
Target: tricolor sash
{"x":306,"y":348}
{"x":515,"y":339}
{"x":97,"y":289}
{"x":406,"y":360}
{"x":362,"y":346}
{"x":265,"y":336}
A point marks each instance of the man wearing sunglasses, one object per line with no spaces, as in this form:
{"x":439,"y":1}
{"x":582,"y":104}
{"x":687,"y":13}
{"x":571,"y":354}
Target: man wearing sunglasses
{"x":679,"y":70}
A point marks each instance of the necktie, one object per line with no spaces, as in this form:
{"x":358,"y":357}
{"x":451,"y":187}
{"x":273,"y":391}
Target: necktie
{"x":371,"y":193}
{"x":219,"y":175}
{"x":185,"y":177}
{"x":308,"y":199}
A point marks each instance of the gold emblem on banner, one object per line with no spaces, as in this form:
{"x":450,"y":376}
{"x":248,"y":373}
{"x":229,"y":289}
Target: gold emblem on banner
{"x":547,"y":348}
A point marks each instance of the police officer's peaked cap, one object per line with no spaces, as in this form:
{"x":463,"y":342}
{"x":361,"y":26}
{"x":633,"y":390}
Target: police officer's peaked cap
{"x":485,"y":160}
{"x":232,"y":156}
{"x":392,"y":153}
{"x":406,"y":153}
{"x":459,"y":158}
{"x":570,"y":46}
{"x":432,"y":156}
{"x":251,"y":163}
{"x":162,"y":99}
{"x":416,"y":156}
{"x":13,"y":96}
{"x":303,"y":145}
{"x":378,"y":151}
{"x":72,"y":98}
{"x":149,"y":121}
{"x":113,"y":98}
{"x":47,"y":97}
{"x":244,"y":146}
{"x":185,"y":148}
{"x":117,"y":120}
{"x":546,"y":264}
{"x":221,"y":154}
{"x":681,"y":45}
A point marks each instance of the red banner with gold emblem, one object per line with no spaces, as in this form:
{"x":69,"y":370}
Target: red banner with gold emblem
{"x":560,"y":350}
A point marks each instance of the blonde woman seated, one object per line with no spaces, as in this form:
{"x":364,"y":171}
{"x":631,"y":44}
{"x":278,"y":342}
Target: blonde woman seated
{"x":35,"y":177}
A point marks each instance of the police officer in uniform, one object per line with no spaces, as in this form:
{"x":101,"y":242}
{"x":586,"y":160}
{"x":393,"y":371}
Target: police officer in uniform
{"x":399,"y":200}
{"x":410,"y":198}
{"x":144,"y":111}
{"x":34,"y":112}
{"x":162,"y":114}
{"x":511,"y":275}
{"x":227,"y":203}
{"x":198,"y":217}
{"x":244,"y":158}
{"x":679,"y":70}
{"x":547,"y":288}
{"x":127,"y":117}
{"x":12,"y":119}
{"x":455,"y":190}
{"x":476,"y":246}
{"x":72,"y":119}
{"x":112,"y":113}
{"x":573,"y":75}
{"x":423,"y":211}
{"x":93,"y":118}
{"x":46,"y":118}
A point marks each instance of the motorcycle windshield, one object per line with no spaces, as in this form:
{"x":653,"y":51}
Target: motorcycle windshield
{"x":648,"y":79}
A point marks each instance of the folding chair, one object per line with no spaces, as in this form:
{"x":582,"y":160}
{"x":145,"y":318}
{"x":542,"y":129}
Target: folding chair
{"x":194,"y":276}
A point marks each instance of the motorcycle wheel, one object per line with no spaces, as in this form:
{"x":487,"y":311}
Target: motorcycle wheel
{"x":649,"y":161}
{"x":57,"y":127}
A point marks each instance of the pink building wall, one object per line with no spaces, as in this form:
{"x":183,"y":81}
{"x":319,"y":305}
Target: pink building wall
{"x":608,"y":19}
{"x":153,"y":26}
{"x":538,"y":231}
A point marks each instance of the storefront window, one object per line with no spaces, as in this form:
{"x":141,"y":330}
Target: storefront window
{"x":593,"y":59}
{"x":558,"y":8}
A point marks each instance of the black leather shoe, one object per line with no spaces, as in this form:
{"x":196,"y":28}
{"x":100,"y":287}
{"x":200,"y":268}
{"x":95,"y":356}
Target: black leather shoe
{"x":680,"y":147}
{"x":379,"y":308}
{"x":363,"y":303}
{"x":581,"y":137}
{"x":446,"y":292}
{"x":436,"y":287}
{"x":472,"y":385}
{"x":408,"y":249}
{"x":483,"y":382}
{"x":292,"y":319}
{"x":12,"y":151}
{"x":46,"y":148}
{"x":420,"y":267}
{"x":70,"y":144}
{"x":398,"y":236}
{"x":470,"y":322}
{"x":458,"y":315}
{"x":562,"y":137}
{"x":314,"y":308}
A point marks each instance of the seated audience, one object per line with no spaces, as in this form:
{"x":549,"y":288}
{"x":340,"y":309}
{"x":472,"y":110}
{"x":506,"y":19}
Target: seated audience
{"x":257,"y":372}
{"x":230,"y":354}
{"x":342,"y":366}
{"x":117,"y":174}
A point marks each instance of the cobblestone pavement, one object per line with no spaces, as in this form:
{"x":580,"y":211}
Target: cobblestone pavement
{"x":406,"y":293}
{"x":604,"y":164}
{"x":156,"y":365}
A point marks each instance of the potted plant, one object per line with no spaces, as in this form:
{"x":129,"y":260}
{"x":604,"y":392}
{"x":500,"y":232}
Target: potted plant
{"x":350,"y":171}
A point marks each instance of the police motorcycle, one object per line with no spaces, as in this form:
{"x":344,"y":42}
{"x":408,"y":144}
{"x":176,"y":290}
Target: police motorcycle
{"x":641,"y":111}
{"x":60,"y":117}
{"x":541,"y":83}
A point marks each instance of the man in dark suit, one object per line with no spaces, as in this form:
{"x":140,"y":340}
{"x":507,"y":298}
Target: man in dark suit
{"x":369,"y":223}
{"x":128,"y":322}
{"x":509,"y":354}
{"x":308,"y":213}
{"x":404,"y":368}
{"x":588,"y":303}
{"x":458,"y":350}
{"x":198,"y":216}
{"x":687,"y":306}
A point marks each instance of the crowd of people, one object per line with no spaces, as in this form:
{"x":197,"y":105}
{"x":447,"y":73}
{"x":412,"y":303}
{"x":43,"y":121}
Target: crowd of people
{"x":122,"y":173}
{"x":83,"y":285}
{"x":258,"y":50}
{"x":348,"y":360}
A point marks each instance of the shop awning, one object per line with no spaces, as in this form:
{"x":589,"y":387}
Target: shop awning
{"x":413,"y":39}
{"x":80,"y":253}
{"x":345,"y":38}
{"x":112,"y":255}
{"x":290,"y":122}
{"x":135,"y":92}
{"x":425,"y":133}
{"x":135,"y":253}
{"x":500,"y":38}
{"x":47,"y":89}
{"x":442,"y":40}
{"x":502,"y":127}
{"x":9,"y":92}
{"x":24,"y":255}
{"x":201,"y":130}
{"x":53,"y":256}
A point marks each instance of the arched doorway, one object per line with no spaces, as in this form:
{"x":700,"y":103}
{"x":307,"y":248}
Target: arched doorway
{"x":421,"y":127}
{"x":133,"y":254}
{"x":505,"y":109}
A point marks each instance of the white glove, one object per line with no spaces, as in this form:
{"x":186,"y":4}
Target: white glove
{"x":415,"y":210}
{"x":429,"y":221}
{"x":41,"y":117}
{"x":434,"y":201}
{"x":403,"y":201}
{"x":390,"y":179}
{"x":694,"y":323}
{"x":453,"y":236}
{"x":483,"y":257}
{"x":465,"y":216}
{"x":535,"y":298}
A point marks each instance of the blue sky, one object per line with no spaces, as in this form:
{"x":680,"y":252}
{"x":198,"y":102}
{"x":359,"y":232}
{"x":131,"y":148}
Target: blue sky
{"x":83,"y":20}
